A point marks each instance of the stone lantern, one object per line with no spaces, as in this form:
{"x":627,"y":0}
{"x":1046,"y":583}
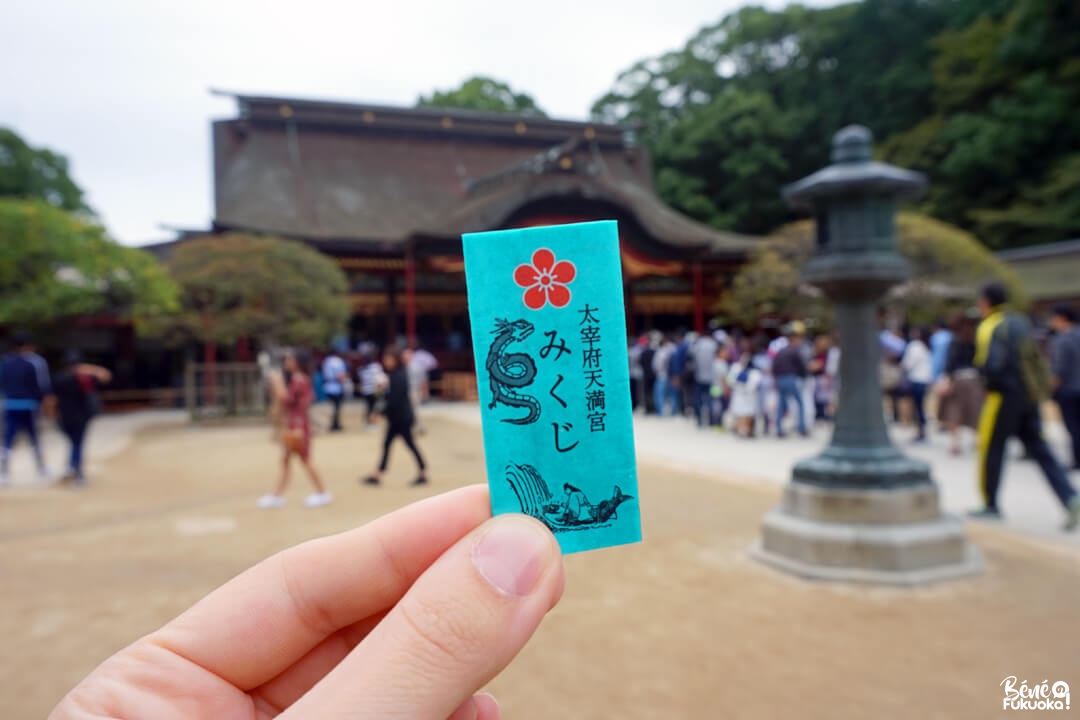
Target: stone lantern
{"x":861,"y":510}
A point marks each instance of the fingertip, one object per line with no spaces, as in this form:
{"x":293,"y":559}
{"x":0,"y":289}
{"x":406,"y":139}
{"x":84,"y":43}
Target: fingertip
{"x":487,"y":707}
{"x":514,"y":553}
{"x":467,"y":710}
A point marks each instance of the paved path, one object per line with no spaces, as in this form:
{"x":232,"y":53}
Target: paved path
{"x":1026,"y":500}
{"x":108,"y":435}
{"x":1029,"y":505}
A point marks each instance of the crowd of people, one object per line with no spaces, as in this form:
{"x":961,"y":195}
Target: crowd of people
{"x":752,"y":383}
{"x":391,"y":387}
{"x":982,"y":372}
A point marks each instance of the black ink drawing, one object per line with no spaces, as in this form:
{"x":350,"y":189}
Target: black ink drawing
{"x":509,"y":371}
{"x":571,"y":512}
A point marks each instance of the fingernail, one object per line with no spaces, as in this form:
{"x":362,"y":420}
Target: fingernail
{"x":513,"y":554}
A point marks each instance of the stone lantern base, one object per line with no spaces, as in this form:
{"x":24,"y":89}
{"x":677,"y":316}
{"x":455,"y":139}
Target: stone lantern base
{"x":895,"y":536}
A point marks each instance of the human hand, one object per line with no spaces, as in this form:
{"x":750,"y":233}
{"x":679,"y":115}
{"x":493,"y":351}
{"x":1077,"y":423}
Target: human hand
{"x":406,"y":617}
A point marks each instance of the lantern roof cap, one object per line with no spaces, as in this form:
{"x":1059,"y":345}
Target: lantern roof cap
{"x":854,"y":173}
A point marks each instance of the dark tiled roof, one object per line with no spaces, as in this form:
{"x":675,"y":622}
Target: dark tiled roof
{"x":1033,"y":252}
{"x":361,"y":174}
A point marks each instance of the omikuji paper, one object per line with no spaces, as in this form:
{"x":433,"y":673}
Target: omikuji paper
{"x":552,"y":368}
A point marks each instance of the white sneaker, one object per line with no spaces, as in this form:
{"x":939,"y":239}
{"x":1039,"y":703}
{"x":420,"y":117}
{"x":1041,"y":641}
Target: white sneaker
{"x":269,"y":502}
{"x":315,"y":500}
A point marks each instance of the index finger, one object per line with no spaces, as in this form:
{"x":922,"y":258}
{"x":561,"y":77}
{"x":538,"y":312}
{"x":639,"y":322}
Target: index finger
{"x":262,"y":621}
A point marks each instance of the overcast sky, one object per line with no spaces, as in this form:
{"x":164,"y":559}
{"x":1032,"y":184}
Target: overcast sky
{"x":121,"y":86}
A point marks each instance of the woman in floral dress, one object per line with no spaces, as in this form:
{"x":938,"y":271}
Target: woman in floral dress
{"x":297,"y":436}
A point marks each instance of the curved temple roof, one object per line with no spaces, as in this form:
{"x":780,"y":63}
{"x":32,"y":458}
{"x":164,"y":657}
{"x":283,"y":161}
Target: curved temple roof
{"x":377,"y":176}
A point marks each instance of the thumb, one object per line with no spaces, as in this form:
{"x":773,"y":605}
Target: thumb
{"x":461,"y":623}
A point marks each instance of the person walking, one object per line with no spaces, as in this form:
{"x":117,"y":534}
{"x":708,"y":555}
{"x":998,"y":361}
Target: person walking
{"x":24,"y":385}
{"x":1008,"y":359}
{"x":744,"y":379}
{"x":662,"y":387}
{"x":940,"y":341}
{"x":789,"y":369}
{"x":677,"y":380}
{"x":399,"y":418}
{"x":648,"y":375}
{"x":334,"y":375}
{"x":77,"y":402}
{"x":918,"y":365}
{"x":720,"y":390}
{"x":371,"y":377}
{"x":1065,"y":365}
{"x":417,"y":374}
{"x":822,"y":380}
{"x":704,"y":352}
{"x":296,"y":439}
{"x":960,"y":388}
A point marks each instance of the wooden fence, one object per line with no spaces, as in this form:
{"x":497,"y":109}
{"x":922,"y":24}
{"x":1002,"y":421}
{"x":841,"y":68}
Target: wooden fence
{"x":224,"y":391}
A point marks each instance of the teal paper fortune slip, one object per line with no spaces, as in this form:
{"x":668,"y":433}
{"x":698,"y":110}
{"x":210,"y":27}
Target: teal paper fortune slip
{"x":549,"y":334}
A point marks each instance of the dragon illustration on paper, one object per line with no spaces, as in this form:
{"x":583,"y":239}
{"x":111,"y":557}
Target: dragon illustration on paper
{"x":571,"y":512}
{"x":509,"y":372}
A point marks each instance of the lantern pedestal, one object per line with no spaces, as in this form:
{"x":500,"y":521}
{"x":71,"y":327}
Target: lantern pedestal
{"x":861,"y":511}
{"x":892,"y":537}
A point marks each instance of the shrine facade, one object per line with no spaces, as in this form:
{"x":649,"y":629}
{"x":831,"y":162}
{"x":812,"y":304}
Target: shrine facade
{"x":388,"y":192}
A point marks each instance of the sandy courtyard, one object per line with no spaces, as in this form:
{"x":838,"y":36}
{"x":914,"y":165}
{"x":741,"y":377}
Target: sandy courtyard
{"x":684,"y":625}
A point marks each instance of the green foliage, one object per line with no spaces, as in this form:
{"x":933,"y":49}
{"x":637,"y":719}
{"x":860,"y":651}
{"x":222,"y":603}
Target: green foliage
{"x":769,"y":283}
{"x":483,"y":94}
{"x":948,"y":267}
{"x":54,"y":265}
{"x":27,"y":172}
{"x":264,"y":288}
{"x":1003,"y":143}
{"x":980,"y":94}
{"x":800,"y":74}
{"x":721,"y":162}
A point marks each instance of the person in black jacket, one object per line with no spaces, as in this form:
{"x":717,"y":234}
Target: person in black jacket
{"x":399,"y":417}
{"x":1010,"y":408}
{"x":76,"y":404}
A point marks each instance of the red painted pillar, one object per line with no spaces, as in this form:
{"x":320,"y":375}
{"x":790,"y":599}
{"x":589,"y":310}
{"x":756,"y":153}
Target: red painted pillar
{"x":243,"y":349}
{"x":410,"y":296}
{"x":699,"y":300}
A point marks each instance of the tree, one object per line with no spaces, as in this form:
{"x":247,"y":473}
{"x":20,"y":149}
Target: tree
{"x":264,"y":288}
{"x":1002,"y":144}
{"x":483,"y":94}
{"x":979,"y":94}
{"x":721,"y":163}
{"x":27,"y":172}
{"x":948,"y":266}
{"x":821,"y":68}
{"x":54,"y":266}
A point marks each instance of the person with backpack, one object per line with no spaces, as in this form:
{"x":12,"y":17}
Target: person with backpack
{"x":77,"y":402}
{"x":1017,"y":381}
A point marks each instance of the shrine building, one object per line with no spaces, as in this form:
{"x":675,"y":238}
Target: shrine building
{"x":388,"y":191}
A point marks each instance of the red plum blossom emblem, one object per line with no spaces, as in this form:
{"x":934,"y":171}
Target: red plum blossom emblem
{"x":545,"y":280}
